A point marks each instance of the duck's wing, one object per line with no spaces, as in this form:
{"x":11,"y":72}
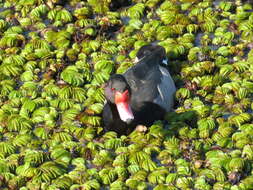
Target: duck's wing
{"x":166,"y":90}
{"x":151,"y":82}
{"x":143,"y":79}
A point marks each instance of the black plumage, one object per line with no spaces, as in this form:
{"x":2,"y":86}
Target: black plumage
{"x":150,"y":88}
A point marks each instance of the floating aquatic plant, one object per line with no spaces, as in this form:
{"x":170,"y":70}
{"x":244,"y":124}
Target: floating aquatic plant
{"x":55,"y":57}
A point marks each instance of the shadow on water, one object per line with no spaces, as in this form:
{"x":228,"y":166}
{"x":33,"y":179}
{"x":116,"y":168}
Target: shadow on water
{"x":189,"y":117}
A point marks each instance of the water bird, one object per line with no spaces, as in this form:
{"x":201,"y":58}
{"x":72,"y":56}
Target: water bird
{"x":140,"y":96}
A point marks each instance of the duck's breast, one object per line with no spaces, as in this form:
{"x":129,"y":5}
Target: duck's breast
{"x":112,"y":121}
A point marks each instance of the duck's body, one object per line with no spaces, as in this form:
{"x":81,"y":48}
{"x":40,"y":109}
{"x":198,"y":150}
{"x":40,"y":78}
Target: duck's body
{"x":151,"y":90}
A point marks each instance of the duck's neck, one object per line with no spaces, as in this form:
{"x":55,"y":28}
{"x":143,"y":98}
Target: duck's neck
{"x":113,"y":108}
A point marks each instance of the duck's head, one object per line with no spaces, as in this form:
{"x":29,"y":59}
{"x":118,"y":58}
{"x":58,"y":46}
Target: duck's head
{"x":118,"y":92}
{"x":150,"y":49}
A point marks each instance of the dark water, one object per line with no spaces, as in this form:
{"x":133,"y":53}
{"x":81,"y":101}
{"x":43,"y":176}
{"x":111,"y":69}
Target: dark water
{"x":198,"y":37}
{"x":125,"y":20}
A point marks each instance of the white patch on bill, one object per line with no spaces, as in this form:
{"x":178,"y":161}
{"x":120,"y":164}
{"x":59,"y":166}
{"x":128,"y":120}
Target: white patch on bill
{"x":125,"y":111}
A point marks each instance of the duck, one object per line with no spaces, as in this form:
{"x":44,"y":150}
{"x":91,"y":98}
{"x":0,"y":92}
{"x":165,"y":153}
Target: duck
{"x":141,"y":95}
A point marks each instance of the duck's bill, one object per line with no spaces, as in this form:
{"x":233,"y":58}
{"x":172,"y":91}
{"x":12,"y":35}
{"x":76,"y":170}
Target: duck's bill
{"x":125,"y":112}
{"x":124,"y":109}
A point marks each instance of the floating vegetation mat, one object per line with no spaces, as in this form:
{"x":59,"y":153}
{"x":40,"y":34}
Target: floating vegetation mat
{"x":54,"y":57}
